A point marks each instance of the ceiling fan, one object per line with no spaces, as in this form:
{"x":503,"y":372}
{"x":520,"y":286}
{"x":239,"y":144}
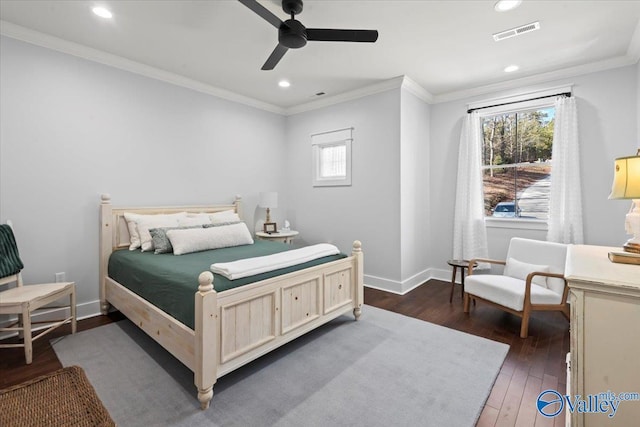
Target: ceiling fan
{"x":293,"y":35}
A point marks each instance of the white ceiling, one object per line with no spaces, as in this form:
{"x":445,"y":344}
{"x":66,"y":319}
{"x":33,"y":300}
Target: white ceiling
{"x":444,"y":46}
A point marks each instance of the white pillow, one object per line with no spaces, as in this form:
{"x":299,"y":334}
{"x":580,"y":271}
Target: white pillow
{"x":224,"y":217}
{"x":520,"y":270}
{"x":195,"y":219}
{"x":147,"y":222}
{"x":134,"y":237}
{"x":189,"y":240}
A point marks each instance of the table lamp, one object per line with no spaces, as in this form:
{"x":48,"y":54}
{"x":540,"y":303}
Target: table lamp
{"x":626,"y":185}
{"x":268,"y":200}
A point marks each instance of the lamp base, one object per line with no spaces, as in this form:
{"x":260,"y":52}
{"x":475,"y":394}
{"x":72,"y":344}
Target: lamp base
{"x":633,"y":248}
{"x":632,"y":226}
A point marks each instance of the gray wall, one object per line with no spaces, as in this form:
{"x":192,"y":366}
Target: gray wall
{"x":608,"y":116}
{"x":414,"y":191}
{"x":368,"y":210}
{"x":386,"y":207}
{"x":65,"y":123}
{"x":71,"y":129}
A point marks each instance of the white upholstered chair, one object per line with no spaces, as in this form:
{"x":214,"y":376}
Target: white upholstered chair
{"x":23,"y":301}
{"x":533,"y":279}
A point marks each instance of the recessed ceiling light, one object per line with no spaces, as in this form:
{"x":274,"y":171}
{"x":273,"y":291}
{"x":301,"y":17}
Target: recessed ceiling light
{"x":102,"y":12}
{"x":511,"y":68}
{"x":505,"y":5}
{"x":284,"y":83}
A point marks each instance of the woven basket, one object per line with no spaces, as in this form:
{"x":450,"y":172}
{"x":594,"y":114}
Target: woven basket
{"x":62,"y":398}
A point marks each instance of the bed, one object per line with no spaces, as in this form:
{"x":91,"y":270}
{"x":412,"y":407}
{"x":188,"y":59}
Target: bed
{"x":234,"y":326}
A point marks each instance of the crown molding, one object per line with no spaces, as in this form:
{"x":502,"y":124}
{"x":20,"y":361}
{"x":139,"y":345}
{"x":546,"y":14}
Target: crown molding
{"x":403,"y":82}
{"x":44,"y":40}
{"x":417,"y":90}
{"x":607,"y":64}
{"x":41,"y":39}
{"x":382,"y":86}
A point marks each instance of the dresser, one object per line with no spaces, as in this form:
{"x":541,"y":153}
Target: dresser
{"x":605,"y":332}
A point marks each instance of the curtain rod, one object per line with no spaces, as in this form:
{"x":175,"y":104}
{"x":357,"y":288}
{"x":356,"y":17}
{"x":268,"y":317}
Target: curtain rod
{"x":567,"y":94}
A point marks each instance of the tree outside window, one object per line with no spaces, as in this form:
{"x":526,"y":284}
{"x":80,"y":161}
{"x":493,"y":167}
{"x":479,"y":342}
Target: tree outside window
{"x":516,"y":162}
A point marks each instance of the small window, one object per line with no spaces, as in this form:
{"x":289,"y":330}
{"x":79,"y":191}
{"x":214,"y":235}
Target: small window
{"x":516,"y":163}
{"x":332,"y":158}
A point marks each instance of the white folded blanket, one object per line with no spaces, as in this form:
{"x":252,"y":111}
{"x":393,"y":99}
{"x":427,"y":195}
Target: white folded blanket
{"x":262,"y":264}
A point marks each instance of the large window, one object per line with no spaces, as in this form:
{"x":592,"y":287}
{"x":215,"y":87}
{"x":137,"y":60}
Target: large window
{"x":516,"y":162}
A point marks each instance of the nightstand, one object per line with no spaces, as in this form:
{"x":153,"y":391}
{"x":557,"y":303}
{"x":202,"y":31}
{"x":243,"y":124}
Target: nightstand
{"x":281,"y":236}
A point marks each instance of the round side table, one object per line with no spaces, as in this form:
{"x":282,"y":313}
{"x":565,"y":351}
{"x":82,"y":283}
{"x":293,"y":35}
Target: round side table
{"x":280,"y":236}
{"x":461,"y":264}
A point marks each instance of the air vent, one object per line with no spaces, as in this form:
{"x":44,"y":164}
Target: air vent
{"x":516,"y":31}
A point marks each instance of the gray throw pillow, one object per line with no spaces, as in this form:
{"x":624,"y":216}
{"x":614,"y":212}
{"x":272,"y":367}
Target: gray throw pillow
{"x":220,"y":224}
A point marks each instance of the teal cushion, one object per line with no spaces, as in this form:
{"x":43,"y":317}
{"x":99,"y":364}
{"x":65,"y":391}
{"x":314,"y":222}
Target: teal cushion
{"x":10,"y":262}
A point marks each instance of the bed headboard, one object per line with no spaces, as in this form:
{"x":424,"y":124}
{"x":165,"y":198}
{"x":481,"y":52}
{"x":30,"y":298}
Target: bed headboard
{"x":114,"y":234}
{"x":112,"y":220}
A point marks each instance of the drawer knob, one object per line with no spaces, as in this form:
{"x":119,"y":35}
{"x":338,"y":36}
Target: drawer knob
{"x":340,"y":286}
{"x":296,"y":298}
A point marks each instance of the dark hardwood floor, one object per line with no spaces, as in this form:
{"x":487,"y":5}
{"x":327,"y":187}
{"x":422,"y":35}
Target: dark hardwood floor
{"x":13,"y":370}
{"x":532,"y":365}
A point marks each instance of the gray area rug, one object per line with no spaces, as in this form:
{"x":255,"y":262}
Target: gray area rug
{"x":384,"y":370}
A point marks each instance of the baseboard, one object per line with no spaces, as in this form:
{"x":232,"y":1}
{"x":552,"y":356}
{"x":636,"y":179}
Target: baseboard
{"x":83,"y":311}
{"x":443,"y":274}
{"x":407,"y":285}
{"x":92,"y":308}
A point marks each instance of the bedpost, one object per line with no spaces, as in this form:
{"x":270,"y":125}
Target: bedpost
{"x":206,"y":331}
{"x":238,"y":203}
{"x":106,"y":246}
{"x":359,"y":277}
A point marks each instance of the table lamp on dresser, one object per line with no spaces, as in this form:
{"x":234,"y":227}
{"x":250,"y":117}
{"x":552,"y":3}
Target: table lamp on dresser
{"x":626,"y":185}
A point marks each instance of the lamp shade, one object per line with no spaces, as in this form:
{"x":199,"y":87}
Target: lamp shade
{"x":268,"y":199}
{"x":626,"y":178}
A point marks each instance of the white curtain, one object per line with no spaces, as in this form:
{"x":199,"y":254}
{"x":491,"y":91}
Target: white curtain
{"x":565,"y":200}
{"x":469,"y":231}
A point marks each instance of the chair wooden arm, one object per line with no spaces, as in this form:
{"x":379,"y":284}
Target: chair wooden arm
{"x":527,"y":288}
{"x":544,"y":273}
{"x":475,"y":261}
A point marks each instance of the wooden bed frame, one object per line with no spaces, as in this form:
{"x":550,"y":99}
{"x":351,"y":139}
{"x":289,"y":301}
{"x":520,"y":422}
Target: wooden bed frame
{"x":238,"y":325}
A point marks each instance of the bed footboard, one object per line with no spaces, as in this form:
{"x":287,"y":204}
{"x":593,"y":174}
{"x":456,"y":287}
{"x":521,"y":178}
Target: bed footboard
{"x":255,"y":319}
{"x":206,"y":339}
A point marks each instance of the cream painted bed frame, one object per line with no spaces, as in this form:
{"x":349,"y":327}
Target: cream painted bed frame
{"x":238,"y":325}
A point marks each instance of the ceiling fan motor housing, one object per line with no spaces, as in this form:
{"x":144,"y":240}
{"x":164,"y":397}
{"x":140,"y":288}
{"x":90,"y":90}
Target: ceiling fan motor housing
{"x":292,"y":6}
{"x":292,"y":34}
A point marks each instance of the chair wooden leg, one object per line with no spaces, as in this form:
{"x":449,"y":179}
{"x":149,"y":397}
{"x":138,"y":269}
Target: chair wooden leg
{"x":466,"y":302}
{"x":20,"y":325}
{"x":72,"y":300}
{"x":26,"y":321}
{"x":524,"y":327}
{"x":453,"y":283}
{"x":566,"y":312}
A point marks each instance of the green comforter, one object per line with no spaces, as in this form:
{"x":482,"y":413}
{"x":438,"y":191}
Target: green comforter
{"x":170,"y":281}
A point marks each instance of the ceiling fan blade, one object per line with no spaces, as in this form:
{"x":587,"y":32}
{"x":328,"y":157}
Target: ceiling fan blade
{"x":328,"y":35}
{"x":275,"y":57}
{"x":263,"y":12}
